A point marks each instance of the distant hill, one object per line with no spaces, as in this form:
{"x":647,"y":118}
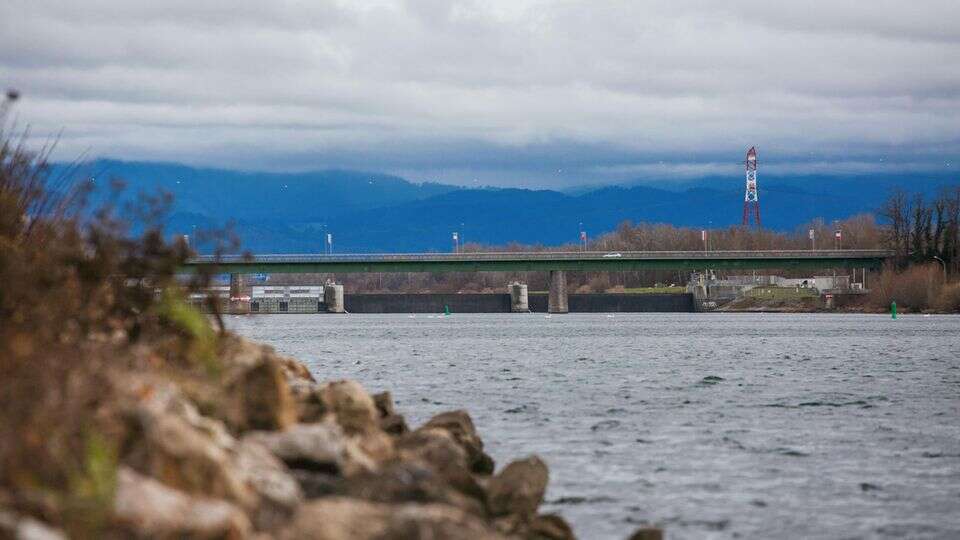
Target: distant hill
{"x":257,"y":196}
{"x":371,"y":212}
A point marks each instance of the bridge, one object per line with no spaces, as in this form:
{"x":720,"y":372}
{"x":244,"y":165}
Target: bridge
{"x":556,"y":263}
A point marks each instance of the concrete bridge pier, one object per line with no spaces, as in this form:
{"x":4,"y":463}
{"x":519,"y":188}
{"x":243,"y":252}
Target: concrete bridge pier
{"x":518,"y":297}
{"x":557,"y":299}
{"x":333,"y":298}
{"x":239,"y":304}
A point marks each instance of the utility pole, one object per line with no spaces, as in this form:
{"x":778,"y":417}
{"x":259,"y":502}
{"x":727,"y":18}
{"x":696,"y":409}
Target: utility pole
{"x":813,"y":240}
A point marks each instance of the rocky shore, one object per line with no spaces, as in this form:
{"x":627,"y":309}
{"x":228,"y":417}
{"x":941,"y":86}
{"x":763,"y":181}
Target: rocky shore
{"x":263,"y":450}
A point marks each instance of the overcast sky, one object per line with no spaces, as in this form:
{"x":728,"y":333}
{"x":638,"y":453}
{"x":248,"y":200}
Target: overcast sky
{"x":536,"y":93}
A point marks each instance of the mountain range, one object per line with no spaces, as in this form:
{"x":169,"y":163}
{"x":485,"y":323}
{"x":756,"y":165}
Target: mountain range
{"x":373,"y":212}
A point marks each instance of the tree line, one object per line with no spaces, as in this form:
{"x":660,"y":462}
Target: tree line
{"x":923,"y":229}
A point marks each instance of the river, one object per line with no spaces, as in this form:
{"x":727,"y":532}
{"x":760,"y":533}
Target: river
{"x":710,"y":425}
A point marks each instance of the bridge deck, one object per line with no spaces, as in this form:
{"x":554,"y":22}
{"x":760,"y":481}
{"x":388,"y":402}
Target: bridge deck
{"x":542,"y":261}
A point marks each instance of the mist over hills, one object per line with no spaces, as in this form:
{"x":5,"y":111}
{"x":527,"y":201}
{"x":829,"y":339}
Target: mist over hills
{"x":373,"y":212}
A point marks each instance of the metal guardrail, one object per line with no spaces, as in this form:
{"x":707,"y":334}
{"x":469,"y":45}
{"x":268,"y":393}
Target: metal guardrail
{"x":539,"y":256}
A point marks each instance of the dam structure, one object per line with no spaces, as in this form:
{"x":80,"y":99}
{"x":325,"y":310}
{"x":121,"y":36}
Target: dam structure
{"x":555,"y":263}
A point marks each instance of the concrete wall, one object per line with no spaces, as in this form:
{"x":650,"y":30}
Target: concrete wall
{"x":475,"y":303}
{"x":427,"y":303}
{"x":614,"y":303}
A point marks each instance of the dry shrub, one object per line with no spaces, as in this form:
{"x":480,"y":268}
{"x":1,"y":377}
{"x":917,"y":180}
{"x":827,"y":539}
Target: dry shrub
{"x":599,"y":283}
{"x":617,"y":289}
{"x":915,"y":288}
{"x":78,"y":293}
{"x":583,"y":289}
{"x":949,"y":298}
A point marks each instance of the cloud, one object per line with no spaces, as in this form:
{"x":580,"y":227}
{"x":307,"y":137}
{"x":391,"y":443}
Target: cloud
{"x":503,"y":92}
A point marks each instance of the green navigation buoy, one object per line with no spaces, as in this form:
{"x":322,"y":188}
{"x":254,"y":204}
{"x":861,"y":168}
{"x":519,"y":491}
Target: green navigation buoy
{"x":893,"y":309}
{"x":446,"y":309}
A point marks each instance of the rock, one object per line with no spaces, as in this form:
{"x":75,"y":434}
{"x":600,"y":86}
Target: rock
{"x":19,"y":527}
{"x":171,"y":441}
{"x":414,"y":483}
{"x":237,"y":353}
{"x":279,"y":492}
{"x":519,"y":488}
{"x":145,"y":508}
{"x":351,"y":405}
{"x":338,"y":518}
{"x":376,"y":444}
{"x":461,"y":428}
{"x":394,"y":424}
{"x":647,"y":533}
{"x":294,"y":370}
{"x":384,"y":404}
{"x":317,"y":484}
{"x":261,"y":398}
{"x":550,"y":527}
{"x":185,"y":457}
{"x":437,"y":448}
{"x":313,"y":447}
{"x":306,"y":397}
{"x":390,"y":421}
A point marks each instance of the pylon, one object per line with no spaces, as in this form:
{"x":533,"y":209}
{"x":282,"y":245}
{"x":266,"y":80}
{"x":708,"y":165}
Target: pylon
{"x":751,"y":198}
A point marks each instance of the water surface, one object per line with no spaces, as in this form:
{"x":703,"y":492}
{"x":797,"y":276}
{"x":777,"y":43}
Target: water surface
{"x":711,"y":425}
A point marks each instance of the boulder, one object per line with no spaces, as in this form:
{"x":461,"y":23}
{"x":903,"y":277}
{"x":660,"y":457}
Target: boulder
{"x":260,"y":397}
{"x":647,"y":533}
{"x":20,"y":527}
{"x":171,"y":441}
{"x":306,"y":397}
{"x":279,"y":492}
{"x":145,"y":508}
{"x":314,"y":447}
{"x":376,"y":444}
{"x":237,"y":353}
{"x":384,"y":404}
{"x":351,"y":406}
{"x":338,"y":518}
{"x":437,"y":448}
{"x":183,"y":456}
{"x":550,"y":527}
{"x":414,"y":483}
{"x":518,"y":488}
{"x":461,"y":428}
{"x":315,"y":484}
{"x":390,"y":421}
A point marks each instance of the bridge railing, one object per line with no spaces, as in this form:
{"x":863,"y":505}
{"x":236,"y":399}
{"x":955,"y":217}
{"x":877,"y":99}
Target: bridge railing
{"x":541,"y":256}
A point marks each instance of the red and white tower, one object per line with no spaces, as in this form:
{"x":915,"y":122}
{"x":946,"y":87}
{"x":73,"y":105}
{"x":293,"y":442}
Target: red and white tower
{"x":751,"y":199}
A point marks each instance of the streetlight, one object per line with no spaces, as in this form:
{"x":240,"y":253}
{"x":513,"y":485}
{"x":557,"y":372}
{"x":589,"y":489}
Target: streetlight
{"x":583,"y":237}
